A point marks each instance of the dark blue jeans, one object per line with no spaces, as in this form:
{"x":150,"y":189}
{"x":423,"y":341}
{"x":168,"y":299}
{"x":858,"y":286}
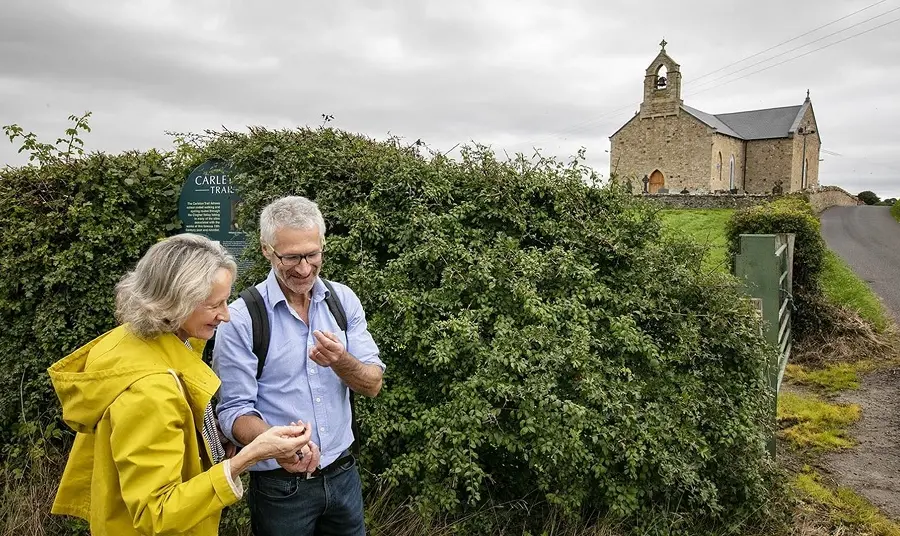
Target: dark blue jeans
{"x":330,"y":505}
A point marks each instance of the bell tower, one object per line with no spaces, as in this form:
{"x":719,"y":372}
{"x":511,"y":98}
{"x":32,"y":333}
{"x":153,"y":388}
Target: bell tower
{"x":662,"y":86}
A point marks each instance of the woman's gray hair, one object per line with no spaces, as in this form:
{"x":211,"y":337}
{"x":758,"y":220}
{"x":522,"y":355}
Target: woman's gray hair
{"x":170,"y":280}
{"x":291,"y":212}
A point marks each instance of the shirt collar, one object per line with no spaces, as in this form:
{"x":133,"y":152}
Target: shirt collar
{"x":276,"y":295}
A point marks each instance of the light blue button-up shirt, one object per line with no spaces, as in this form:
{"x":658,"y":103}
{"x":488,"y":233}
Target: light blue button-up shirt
{"x":292,"y":386}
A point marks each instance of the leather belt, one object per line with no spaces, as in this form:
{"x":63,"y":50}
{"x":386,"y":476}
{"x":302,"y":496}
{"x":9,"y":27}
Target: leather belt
{"x":281,"y":472}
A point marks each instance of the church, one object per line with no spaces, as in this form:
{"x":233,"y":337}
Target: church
{"x":669,"y":147}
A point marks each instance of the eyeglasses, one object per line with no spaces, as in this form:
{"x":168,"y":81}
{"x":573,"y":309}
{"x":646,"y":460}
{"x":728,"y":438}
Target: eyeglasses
{"x":289,"y":261}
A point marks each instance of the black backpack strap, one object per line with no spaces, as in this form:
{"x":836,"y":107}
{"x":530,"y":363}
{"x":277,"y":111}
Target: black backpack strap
{"x":335,"y":306}
{"x":337,"y":311}
{"x":256,"y":307}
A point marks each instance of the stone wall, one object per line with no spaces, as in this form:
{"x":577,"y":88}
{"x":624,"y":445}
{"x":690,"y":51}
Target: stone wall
{"x":678,"y":146}
{"x":769,"y":161}
{"x":820,"y":199}
{"x":710,"y":200}
{"x":831,"y":196}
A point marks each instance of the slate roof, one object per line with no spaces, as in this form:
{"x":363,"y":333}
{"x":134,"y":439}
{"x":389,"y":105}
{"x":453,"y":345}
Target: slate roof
{"x":711,"y":121}
{"x":754,"y":124}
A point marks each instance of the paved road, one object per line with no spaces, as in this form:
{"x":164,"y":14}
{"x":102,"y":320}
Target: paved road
{"x":868,"y":238}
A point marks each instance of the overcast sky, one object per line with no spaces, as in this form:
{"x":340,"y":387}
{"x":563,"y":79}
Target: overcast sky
{"x":511,"y":74}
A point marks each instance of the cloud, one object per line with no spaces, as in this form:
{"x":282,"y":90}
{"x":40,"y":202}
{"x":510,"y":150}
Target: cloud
{"x":511,"y":74}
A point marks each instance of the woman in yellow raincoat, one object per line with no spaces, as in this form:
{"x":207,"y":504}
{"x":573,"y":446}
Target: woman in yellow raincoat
{"x":147,"y":457}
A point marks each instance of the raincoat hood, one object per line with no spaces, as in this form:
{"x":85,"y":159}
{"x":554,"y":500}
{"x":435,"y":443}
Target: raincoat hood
{"x":89,"y":379}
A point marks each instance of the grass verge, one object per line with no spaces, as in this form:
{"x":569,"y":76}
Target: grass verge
{"x":846,"y":512}
{"x":25,"y":503}
{"x":812,"y":424}
{"x":830,"y":379}
{"x":843,"y":287}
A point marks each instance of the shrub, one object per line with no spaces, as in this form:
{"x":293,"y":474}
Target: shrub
{"x":895,"y":210}
{"x":791,"y":215}
{"x":543,"y":342}
{"x":867,"y":197}
{"x":70,"y":227}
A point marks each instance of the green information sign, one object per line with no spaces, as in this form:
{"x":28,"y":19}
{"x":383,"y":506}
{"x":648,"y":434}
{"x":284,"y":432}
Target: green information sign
{"x":207,"y":207}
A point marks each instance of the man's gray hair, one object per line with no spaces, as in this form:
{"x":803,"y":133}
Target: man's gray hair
{"x":291,"y":212}
{"x":171,"y":279}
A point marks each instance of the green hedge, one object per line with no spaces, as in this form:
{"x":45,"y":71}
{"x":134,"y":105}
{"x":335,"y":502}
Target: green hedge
{"x":542,"y":340}
{"x":895,"y":211}
{"x":791,"y":215}
{"x":69,"y":228}
{"x":544,"y":344}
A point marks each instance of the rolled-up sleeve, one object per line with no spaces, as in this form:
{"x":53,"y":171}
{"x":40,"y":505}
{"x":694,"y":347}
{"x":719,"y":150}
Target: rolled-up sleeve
{"x":235,"y":365}
{"x":360,"y":343}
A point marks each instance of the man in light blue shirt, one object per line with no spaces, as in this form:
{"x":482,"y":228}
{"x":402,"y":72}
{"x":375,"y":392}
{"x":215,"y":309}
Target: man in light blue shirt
{"x":310,"y":367}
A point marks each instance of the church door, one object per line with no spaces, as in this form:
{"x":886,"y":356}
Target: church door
{"x":657,"y":181}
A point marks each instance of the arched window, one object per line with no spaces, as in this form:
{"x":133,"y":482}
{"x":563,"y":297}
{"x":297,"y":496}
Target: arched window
{"x":719,"y":167}
{"x":731,"y":174}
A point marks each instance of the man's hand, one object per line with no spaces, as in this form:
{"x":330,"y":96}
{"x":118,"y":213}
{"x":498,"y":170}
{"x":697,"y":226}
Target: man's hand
{"x":230,"y":448}
{"x":305,"y":461}
{"x":328,"y":350}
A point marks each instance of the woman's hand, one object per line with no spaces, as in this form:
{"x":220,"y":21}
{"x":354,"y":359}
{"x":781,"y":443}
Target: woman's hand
{"x":281,"y":441}
{"x":276,"y":442}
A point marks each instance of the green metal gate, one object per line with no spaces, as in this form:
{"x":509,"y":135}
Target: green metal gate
{"x":765,"y":266}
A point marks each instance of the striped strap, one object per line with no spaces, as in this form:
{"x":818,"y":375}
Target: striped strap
{"x":210,"y":431}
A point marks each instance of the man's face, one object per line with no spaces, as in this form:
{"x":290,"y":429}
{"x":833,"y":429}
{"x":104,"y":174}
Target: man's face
{"x":296,"y":274}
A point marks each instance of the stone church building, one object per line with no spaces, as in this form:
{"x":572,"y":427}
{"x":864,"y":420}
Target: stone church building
{"x":681,"y":149}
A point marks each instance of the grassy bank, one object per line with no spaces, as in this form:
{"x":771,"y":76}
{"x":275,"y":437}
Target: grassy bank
{"x":707,"y":227}
{"x":842,"y":286}
{"x":810,"y":423}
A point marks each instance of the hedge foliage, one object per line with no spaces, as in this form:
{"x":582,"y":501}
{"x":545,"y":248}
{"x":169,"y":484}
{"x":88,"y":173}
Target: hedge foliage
{"x":69,"y":228}
{"x":791,"y":215}
{"x":541,"y":339}
{"x":544,"y":343}
{"x":895,"y":210}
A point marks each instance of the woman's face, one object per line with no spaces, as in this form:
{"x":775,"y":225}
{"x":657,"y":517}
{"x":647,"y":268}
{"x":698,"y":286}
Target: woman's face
{"x":210,"y":313}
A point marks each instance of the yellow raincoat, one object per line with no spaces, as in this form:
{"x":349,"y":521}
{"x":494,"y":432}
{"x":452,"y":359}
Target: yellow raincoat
{"x":139,"y":464}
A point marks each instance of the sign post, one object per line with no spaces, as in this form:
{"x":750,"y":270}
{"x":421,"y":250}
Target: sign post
{"x":208,"y":204}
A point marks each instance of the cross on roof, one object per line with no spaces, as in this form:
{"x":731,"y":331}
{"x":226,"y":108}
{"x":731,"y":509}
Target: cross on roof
{"x":663,"y":44}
